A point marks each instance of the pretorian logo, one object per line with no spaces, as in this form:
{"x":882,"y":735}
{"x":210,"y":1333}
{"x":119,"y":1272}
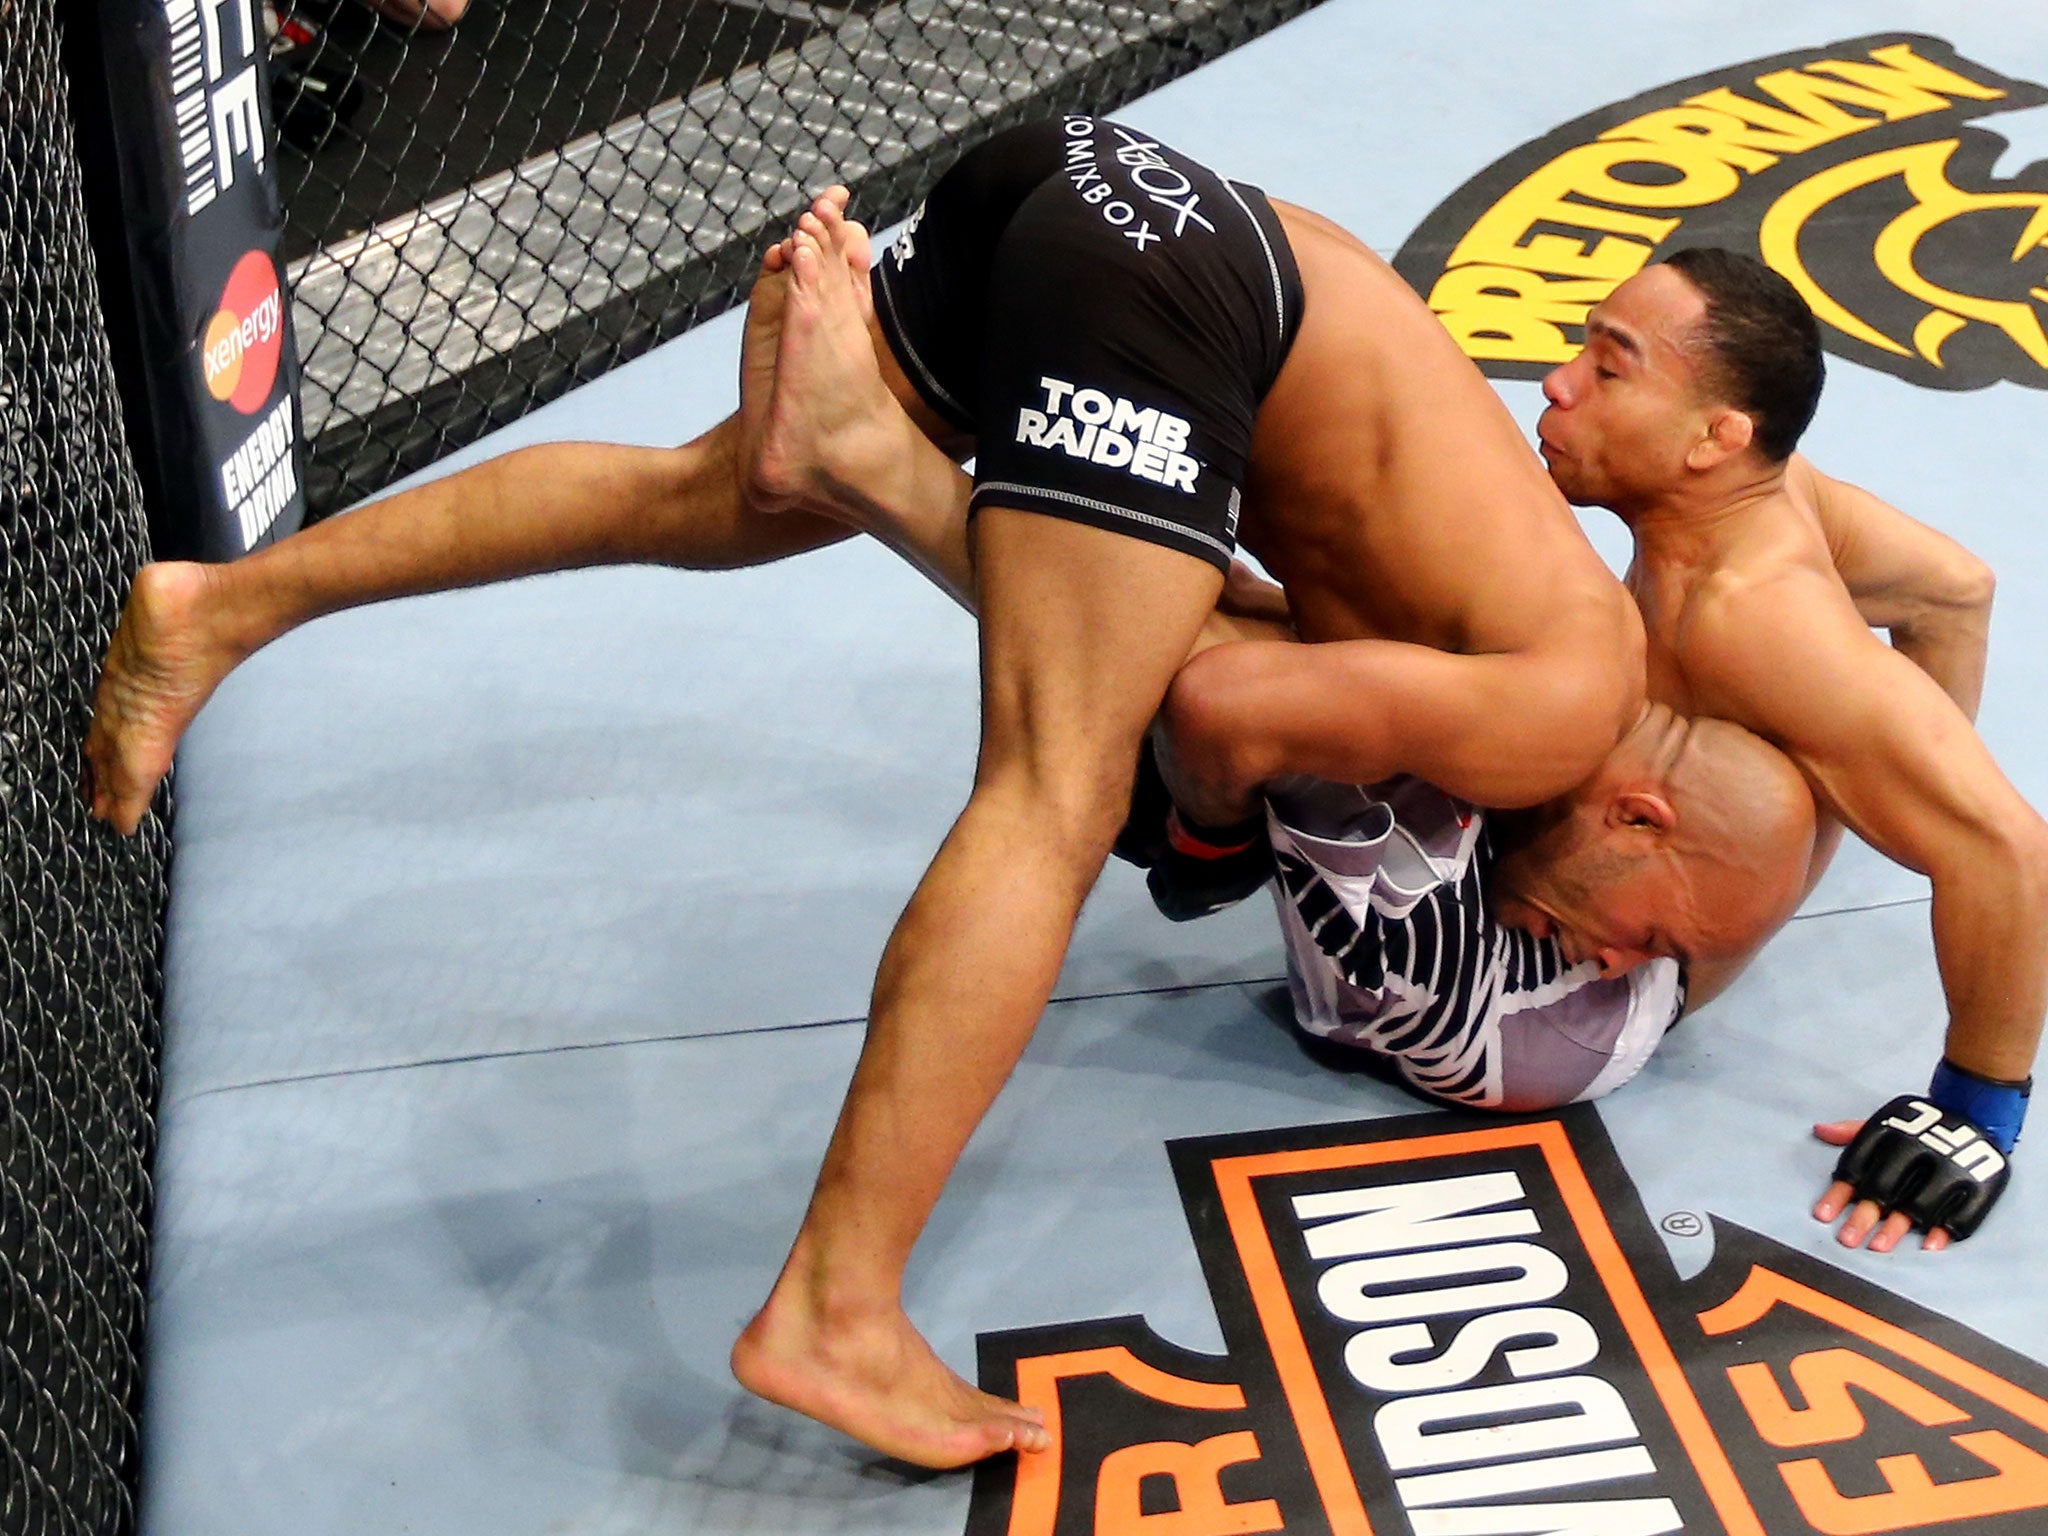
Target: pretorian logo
{"x":1443,"y":1325}
{"x":1849,"y":169}
{"x":245,"y":338}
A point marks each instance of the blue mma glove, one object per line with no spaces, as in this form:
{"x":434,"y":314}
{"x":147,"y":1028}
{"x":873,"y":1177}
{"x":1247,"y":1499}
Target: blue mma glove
{"x":1996,"y":1108}
{"x":1935,"y":1165}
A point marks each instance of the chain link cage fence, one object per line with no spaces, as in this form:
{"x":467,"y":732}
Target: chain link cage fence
{"x":81,"y":907}
{"x":489,"y":201}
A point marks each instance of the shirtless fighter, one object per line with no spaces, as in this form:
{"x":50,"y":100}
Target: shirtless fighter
{"x":1759,"y":579}
{"x":1148,"y":362}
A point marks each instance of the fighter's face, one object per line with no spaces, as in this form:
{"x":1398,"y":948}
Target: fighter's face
{"x":1602,"y":893}
{"x":1623,"y":413}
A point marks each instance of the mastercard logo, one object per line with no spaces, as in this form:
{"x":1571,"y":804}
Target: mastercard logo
{"x":245,"y":339}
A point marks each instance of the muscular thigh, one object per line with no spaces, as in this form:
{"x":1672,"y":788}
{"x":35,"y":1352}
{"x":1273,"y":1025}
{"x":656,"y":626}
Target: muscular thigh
{"x":1081,"y":630}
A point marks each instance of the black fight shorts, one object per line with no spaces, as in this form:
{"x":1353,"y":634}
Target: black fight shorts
{"x":1104,"y":316}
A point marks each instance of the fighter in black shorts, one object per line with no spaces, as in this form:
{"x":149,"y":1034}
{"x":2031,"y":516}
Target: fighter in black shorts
{"x":1137,"y":351}
{"x":1125,"y":401}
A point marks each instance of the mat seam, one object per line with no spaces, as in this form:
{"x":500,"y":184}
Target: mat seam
{"x":778,"y":1029}
{"x":726,"y":1034}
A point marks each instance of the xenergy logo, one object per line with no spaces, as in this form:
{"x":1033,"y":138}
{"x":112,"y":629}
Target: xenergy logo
{"x":245,"y":338}
{"x":1447,"y":1326}
{"x":1111,"y":431}
{"x":1852,"y":169}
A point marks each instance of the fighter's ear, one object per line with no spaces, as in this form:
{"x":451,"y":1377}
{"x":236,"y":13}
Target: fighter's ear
{"x":1641,"y":808}
{"x":1728,"y":433}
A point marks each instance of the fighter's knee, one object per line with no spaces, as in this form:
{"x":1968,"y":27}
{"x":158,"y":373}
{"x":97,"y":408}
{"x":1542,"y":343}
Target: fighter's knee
{"x":1071,"y":810}
{"x":2025,"y":847}
{"x":1203,"y":715}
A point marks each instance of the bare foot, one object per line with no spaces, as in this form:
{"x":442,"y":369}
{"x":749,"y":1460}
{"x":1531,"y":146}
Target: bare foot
{"x":848,"y":241}
{"x":831,"y":424}
{"x":759,"y":342}
{"x":879,"y":1382}
{"x":163,"y":663}
{"x":774,"y":482}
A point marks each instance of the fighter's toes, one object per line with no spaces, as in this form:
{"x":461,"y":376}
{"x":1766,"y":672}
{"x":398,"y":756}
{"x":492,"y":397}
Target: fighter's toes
{"x":983,"y":1425}
{"x":1031,"y":1436}
{"x":879,"y":1382}
{"x":806,"y":262}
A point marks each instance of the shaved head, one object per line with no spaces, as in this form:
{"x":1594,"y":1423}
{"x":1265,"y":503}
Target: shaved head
{"x":1745,"y":828}
{"x":1691,"y":842}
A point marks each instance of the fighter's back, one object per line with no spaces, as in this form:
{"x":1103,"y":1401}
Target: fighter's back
{"x":1391,"y":493}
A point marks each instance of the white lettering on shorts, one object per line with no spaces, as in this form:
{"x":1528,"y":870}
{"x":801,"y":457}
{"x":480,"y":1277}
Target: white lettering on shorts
{"x":1108,"y":430}
{"x":1156,"y":177}
{"x":1087,"y":179}
{"x":906,"y":238}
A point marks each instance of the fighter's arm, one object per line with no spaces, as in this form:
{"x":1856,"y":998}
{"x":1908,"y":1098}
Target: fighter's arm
{"x":1930,"y":593}
{"x":1898,"y":761}
{"x":1502,"y":730}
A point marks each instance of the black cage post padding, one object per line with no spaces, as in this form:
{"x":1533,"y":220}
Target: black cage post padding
{"x":173,"y":104}
{"x":481,"y":216}
{"x":81,"y":909}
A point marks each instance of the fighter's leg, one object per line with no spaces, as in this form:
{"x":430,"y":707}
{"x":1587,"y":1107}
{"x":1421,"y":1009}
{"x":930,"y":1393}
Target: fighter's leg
{"x":1081,"y":629}
{"x":547,"y":508}
{"x":837,"y":435}
{"x":848,"y":435}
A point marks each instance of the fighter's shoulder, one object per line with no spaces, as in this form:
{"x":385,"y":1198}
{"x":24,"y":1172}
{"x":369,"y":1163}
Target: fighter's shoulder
{"x":1742,"y":603}
{"x":1803,"y":478}
{"x":1747,"y":630}
{"x":1813,"y":489}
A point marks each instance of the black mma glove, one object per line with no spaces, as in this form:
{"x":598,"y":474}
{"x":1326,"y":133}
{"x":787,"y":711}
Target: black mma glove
{"x":1202,"y":870}
{"x":1937,"y":1166}
{"x":1143,"y":838}
{"x":1194,"y":870}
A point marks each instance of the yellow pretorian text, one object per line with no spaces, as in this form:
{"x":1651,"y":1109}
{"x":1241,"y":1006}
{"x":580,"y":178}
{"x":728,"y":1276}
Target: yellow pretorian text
{"x":1573,"y":230}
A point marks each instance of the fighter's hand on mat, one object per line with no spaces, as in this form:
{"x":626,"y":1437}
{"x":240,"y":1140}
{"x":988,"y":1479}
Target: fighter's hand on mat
{"x":1866,"y":1218}
{"x":1921,"y":1164}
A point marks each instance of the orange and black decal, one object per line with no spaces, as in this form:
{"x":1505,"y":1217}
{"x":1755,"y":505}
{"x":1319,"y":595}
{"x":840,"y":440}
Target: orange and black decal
{"x":1855,"y":169}
{"x":1448,"y":1326}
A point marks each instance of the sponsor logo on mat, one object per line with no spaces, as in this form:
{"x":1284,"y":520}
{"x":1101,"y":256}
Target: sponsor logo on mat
{"x":1851,"y":168}
{"x":1443,"y":1325}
